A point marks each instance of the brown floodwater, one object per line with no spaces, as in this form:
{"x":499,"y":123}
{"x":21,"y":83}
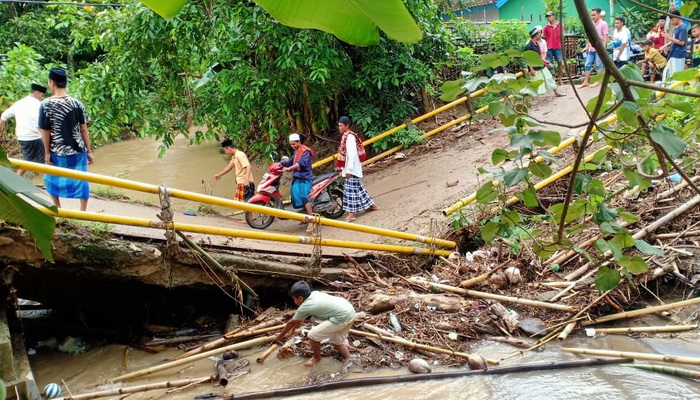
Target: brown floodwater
{"x":90,"y":371}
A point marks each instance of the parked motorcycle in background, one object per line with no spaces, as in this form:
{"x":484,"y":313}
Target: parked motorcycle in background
{"x":326,"y":197}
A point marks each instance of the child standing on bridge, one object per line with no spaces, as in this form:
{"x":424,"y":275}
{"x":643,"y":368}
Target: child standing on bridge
{"x":245,"y":188}
{"x":336,"y":313}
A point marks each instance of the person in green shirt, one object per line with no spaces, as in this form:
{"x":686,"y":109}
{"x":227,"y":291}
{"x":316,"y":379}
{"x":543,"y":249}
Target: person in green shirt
{"x":336,"y":313}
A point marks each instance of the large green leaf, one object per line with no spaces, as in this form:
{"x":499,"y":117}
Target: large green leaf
{"x":666,"y":138}
{"x":514,"y":176}
{"x":635,"y":265}
{"x":352,"y":21}
{"x":533,"y":59}
{"x":165,"y":8}
{"x":452,"y":89}
{"x":606,"y":278}
{"x":646,"y":248}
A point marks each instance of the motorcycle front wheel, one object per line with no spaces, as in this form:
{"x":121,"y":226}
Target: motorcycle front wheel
{"x":260,"y":220}
{"x":337,"y":201}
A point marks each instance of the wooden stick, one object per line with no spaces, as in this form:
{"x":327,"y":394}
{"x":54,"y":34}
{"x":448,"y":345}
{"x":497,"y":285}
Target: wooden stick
{"x":566,"y":331}
{"x":643,"y":311}
{"x":478,"y":279}
{"x":287,"y":349}
{"x":677,"y":235}
{"x":259,"y":329}
{"x":136,"y":389}
{"x":675,"y":189}
{"x":635,"y":355}
{"x":491,"y":296}
{"x":196,"y":357}
{"x":554,"y":284}
{"x":267,"y":353}
{"x":178,"y":340}
{"x":649,"y":329}
{"x":222,"y":373}
{"x":415,"y":345}
{"x":685,"y":373}
{"x":346,"y":383}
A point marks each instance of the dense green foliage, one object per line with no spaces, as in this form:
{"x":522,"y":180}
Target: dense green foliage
{"x":228,"y":66}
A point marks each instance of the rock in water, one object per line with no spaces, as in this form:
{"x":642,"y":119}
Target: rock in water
{"x":533,"y":326}
{"x":476,"y":361}
{"x":419,"y":366}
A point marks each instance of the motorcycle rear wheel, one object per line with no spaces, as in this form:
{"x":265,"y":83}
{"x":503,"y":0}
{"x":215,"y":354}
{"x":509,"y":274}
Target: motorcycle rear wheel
{"x":260,"y":220}
{"x":337,"y":200}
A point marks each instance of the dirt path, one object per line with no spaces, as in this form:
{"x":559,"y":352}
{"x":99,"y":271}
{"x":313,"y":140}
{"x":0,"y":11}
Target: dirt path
{"x":411,"y":192}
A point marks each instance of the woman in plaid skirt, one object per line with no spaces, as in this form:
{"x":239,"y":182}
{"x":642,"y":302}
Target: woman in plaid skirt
{"x":350,"y":156}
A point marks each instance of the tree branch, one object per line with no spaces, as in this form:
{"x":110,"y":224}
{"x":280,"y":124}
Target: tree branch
{"x":666,"y":13}
{"x":661,"y":88}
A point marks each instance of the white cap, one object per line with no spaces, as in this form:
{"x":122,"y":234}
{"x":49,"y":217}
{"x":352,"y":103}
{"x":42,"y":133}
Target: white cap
{"x":294,"y":137}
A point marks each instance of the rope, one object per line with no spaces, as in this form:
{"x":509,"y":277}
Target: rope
{"x":171,"y":246}
{"x":314,"y":264}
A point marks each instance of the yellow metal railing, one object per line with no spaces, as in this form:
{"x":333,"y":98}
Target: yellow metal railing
{"x":192,"y":196}
{"x":472,"y":197}
{"x":240,"y":233}
{"x":415,"y":121}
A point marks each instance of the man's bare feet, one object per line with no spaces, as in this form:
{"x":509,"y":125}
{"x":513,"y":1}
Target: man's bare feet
{"x":595,"y":84}
{"x":374,"y":207}
{"x":583,"y":85}
{"x":312,"y":361}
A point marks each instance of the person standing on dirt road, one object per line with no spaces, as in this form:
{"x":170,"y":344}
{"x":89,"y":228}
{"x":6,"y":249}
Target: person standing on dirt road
{"x":676,"y":52}
{"x":26,"y":113}
{"x":591,"y":56}
{"x":552,"y":35}
{"x":245,"y":186}
{"x":350,"y":156}
{"x":303,"y":177}
{"x":63,"y":123}
{"x":540,"y":73}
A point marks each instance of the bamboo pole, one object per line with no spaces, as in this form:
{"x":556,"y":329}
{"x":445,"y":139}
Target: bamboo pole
{"x":415,"y":345}
{"x":138,"y":388}
{"x":643,"y":311}
{"x":646,"y":329}
{"x":491,"y":296}
{"x":635,"y":355}
{"x":218,"y":201}
{"x":684,"y":373}
{"x":566,"y":331}
{"x":275,"y":237}
{"x":212,"y":262}
{"x":677,"y":235}
{"x":253,"y":331}
{"x":675,"y":189}
{"x":173,"y":364}
{"x":347,"y":383}
{"x":267,"y":353}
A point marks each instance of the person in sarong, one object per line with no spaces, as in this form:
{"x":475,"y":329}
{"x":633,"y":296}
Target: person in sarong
{"x":350,"y":156}
{"x":63,"y":123}
{"x":540,"y":73}
{"x":303,"y":177}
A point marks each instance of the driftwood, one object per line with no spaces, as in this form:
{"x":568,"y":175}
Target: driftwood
{"x":287,"y":349}
{"x":136,"y":389}
{"x":196,"y":357}
{"x":513,"y":341}
{"x":566,"y":331}
{"x":483,"y":277}
{"x":684,"y":373}
{"x":415,"y":345}
{"x":420,"y":377}
{"x":380,"y":302}
{"x":178,"y":340}
{"x":267,"y":353}
{"x":222,"y":373}
{"x":635,"y":355}
{"x":675,"y":189}
{"x":238,"y":333}
{"x":491,"y":296}
{"x":645,"y":329}
{"x":644,"y":311}
{"x":501,"y":312}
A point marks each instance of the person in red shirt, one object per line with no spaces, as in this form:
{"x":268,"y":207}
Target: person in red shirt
{"x":552,"y":35}
{"x":657,"y":34}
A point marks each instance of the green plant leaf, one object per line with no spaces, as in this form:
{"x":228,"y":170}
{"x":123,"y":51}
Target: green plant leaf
{"x":520,"y":140}
{"x":627,"y":217}
{"x":488,"y":232}
{"x":514,"y":176}
{"x":452,"y":89}
{"x":548,"y":156}
{"x":627,"y":113}
{"x":596,"y":188}
{"x":635,"y":179}
{"x":581,"y":183}
{"x":352,"y":21}
{"x":529,"y":197}
{"x":166,"y":9}
{"x":486,"y":193}
{"x":682,"y":106}
{"x":604,"y":214}
{"x":685,"y":75}
{"x":548,"y":138}
{"x":540,"y":170}
{"x":688,"y":8}
{"x":666,"y":137}
{"x":635,"y":265}
{"x":600,"y":155}
{"x":623,"y":239}
{"x":533,"y":59}
{"x":606,"y":278}
{"x":499,"y":155}
{"x":646,"y":248}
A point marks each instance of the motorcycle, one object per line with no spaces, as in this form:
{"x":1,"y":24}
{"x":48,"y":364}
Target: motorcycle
{"x":326,"y":197}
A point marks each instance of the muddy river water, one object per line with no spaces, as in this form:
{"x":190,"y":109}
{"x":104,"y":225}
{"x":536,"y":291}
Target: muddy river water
{"x":185,"y":167}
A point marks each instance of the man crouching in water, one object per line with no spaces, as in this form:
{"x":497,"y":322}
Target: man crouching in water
{"x":336,"y":313}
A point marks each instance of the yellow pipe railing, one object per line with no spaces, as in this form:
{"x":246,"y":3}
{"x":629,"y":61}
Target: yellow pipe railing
{"x":192,"y":196}
{"x":469,"y":199}
{"x":403,"y":126}
{"x":240,"y":233}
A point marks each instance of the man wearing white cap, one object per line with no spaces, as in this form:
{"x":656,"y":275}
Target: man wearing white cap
{"x":303,"y":178}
